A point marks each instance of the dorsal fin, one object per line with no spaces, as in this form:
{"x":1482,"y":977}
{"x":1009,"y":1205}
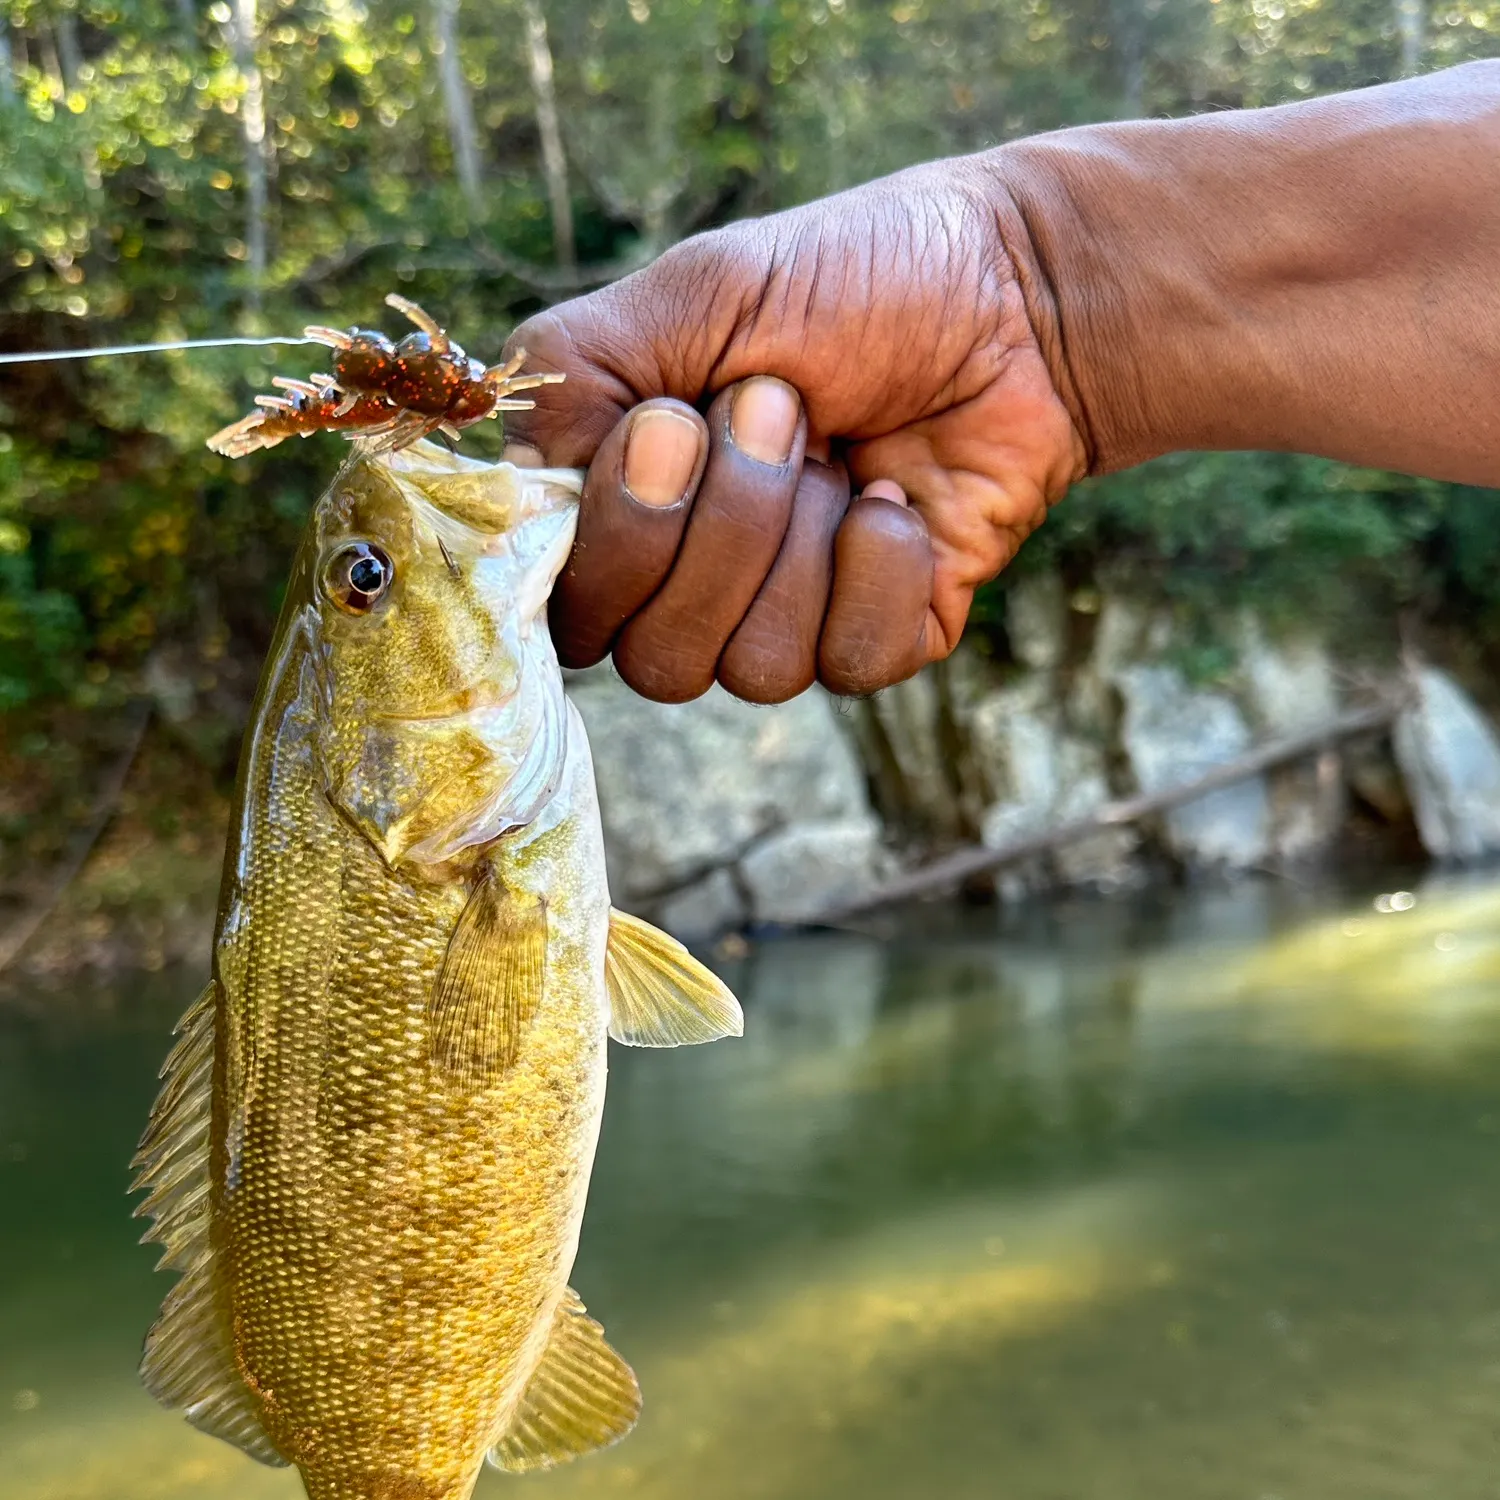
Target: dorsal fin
{"x":171,"y":1162}
{"x":188,"y":1363}
{"x":490,"y":985}
{"x":582,"y":1397}
{"x":659,"y":994}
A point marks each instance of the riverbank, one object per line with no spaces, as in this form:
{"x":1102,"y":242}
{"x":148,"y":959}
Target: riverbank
{"x":722,"y":817}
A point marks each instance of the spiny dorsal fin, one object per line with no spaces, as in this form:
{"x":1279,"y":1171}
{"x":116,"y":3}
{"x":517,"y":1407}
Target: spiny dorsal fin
{"x":490,"y":986}
{"x":188,"y":1364}
{"x":171,"y":1162}
{"x":659,"y":994}
{"x":582,"y":1397}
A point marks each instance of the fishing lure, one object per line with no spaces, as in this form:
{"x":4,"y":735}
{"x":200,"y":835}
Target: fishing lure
{"x":390,"y":395}
{"x":387,"y":395}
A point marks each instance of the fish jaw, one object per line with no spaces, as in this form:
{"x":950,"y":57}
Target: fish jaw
{"x":458,"y":747}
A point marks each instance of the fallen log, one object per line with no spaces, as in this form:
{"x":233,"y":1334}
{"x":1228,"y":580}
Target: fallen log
{"x":963,"y":864}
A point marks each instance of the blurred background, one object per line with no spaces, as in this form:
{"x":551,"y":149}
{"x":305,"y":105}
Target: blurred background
{"x":1163,"y":1164}
{"x":174,"y":169}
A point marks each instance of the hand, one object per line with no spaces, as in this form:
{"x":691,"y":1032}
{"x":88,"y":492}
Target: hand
{"x":887,"y":339}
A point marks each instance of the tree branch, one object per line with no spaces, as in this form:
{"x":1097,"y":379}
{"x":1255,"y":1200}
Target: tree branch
{"x":963,"y":864}
{"x":544,"y":280}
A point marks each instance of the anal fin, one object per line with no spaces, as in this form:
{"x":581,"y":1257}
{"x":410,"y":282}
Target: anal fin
{"x":490,"y":985}
{"x":583,"y":1397}
{"x":659,"y":994}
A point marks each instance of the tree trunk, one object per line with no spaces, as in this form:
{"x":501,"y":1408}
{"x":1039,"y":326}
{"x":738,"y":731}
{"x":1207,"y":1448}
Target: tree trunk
{"x":244,"y":33}
{"x":1411,"y":22}
{"x":69,"y":54}
{"x":47,"y":46}
{"x":1128,"y":24}
{"x":187,"y":18}
{"x":70,"y":65}
{"x":554,"y":162}
{"x":7,"y":66}
{"x":462,"y":134}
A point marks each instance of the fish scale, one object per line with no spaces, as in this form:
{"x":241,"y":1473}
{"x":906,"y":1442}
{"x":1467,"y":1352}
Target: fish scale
{"x":416,"y":970}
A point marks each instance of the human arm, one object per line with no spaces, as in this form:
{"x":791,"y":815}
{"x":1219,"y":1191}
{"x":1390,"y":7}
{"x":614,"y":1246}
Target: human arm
{"x":972,"y":336}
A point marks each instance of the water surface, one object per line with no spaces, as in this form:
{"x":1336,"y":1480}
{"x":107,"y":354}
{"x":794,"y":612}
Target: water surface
{"x":1196,"y":1198}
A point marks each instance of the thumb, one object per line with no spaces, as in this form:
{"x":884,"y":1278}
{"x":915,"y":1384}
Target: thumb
{"x":662,"y":331}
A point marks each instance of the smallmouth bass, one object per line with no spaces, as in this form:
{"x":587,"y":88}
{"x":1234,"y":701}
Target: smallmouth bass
{"x":372,"y":1145}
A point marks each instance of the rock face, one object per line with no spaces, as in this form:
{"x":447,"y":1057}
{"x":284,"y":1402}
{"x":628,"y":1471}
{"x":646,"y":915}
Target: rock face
{"x":717,"y":811}
{"x":1289,"y":686}
{"x":1044,"y":775}
{"x":1172,"y":733}
{"x":1450,"y":759}
{"x":1036,"y":620}
{"x":900,"y":736}
{"x":796,"y":873}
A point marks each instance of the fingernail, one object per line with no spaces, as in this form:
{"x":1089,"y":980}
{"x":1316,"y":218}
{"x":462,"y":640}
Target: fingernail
{"x":763,"y":420}
{"x":884,"y":489}
{"x":661,"y":457}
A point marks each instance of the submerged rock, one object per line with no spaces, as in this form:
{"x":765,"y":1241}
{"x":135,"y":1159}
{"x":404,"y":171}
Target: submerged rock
{"x":1450,"y":758}
{"x":1172,"y":732}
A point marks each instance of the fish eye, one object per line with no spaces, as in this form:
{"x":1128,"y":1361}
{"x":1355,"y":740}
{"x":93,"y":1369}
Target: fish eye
{"x":357,"y":577}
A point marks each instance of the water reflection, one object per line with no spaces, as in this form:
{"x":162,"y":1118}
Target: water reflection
{"x":1196,"y":1197}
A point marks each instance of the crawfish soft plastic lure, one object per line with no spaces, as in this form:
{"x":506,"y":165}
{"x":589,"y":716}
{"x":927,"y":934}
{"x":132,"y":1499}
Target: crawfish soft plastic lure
{"x":388,"y":395}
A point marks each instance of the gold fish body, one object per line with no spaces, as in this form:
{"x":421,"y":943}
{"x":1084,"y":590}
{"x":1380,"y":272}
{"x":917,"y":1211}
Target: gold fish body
{"x":371,"y":1151}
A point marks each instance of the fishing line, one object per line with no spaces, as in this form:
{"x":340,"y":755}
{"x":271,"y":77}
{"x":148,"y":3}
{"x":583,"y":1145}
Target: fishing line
{"x":50,"y":354}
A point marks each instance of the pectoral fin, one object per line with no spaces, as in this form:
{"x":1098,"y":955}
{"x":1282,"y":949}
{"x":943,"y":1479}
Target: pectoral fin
{"x":583,"y":1396}
{"x":659,"y":994}
{"x":490,"y":985}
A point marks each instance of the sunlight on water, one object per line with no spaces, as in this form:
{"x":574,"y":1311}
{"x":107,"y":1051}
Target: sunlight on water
{"x":1195,"y":1199}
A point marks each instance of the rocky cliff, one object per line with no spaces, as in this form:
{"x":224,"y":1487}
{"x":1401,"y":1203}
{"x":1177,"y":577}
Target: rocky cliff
{"x":719,"y":814}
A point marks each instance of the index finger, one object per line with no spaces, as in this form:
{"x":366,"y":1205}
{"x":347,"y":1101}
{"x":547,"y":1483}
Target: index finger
{"x":568,"y":423}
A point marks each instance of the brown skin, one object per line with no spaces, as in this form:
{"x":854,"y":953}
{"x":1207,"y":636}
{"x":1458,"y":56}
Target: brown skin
{"x":970,"y":337}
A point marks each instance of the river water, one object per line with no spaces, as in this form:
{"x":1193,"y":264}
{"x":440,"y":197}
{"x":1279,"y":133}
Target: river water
{"x":1190,"y":1198}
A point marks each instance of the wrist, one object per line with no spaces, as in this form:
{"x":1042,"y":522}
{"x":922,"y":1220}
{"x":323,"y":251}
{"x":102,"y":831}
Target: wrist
{"x":1116,"y":226}
{"x":1316,"y":278}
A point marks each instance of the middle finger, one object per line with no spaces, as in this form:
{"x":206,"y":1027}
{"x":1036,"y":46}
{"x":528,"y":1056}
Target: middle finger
{"x":757,"y":436}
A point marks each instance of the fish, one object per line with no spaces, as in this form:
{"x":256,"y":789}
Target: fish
{"x":370,"y":1153}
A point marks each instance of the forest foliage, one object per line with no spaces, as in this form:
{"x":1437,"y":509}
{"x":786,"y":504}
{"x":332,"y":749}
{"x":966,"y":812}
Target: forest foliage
{"x":177,"y":168}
